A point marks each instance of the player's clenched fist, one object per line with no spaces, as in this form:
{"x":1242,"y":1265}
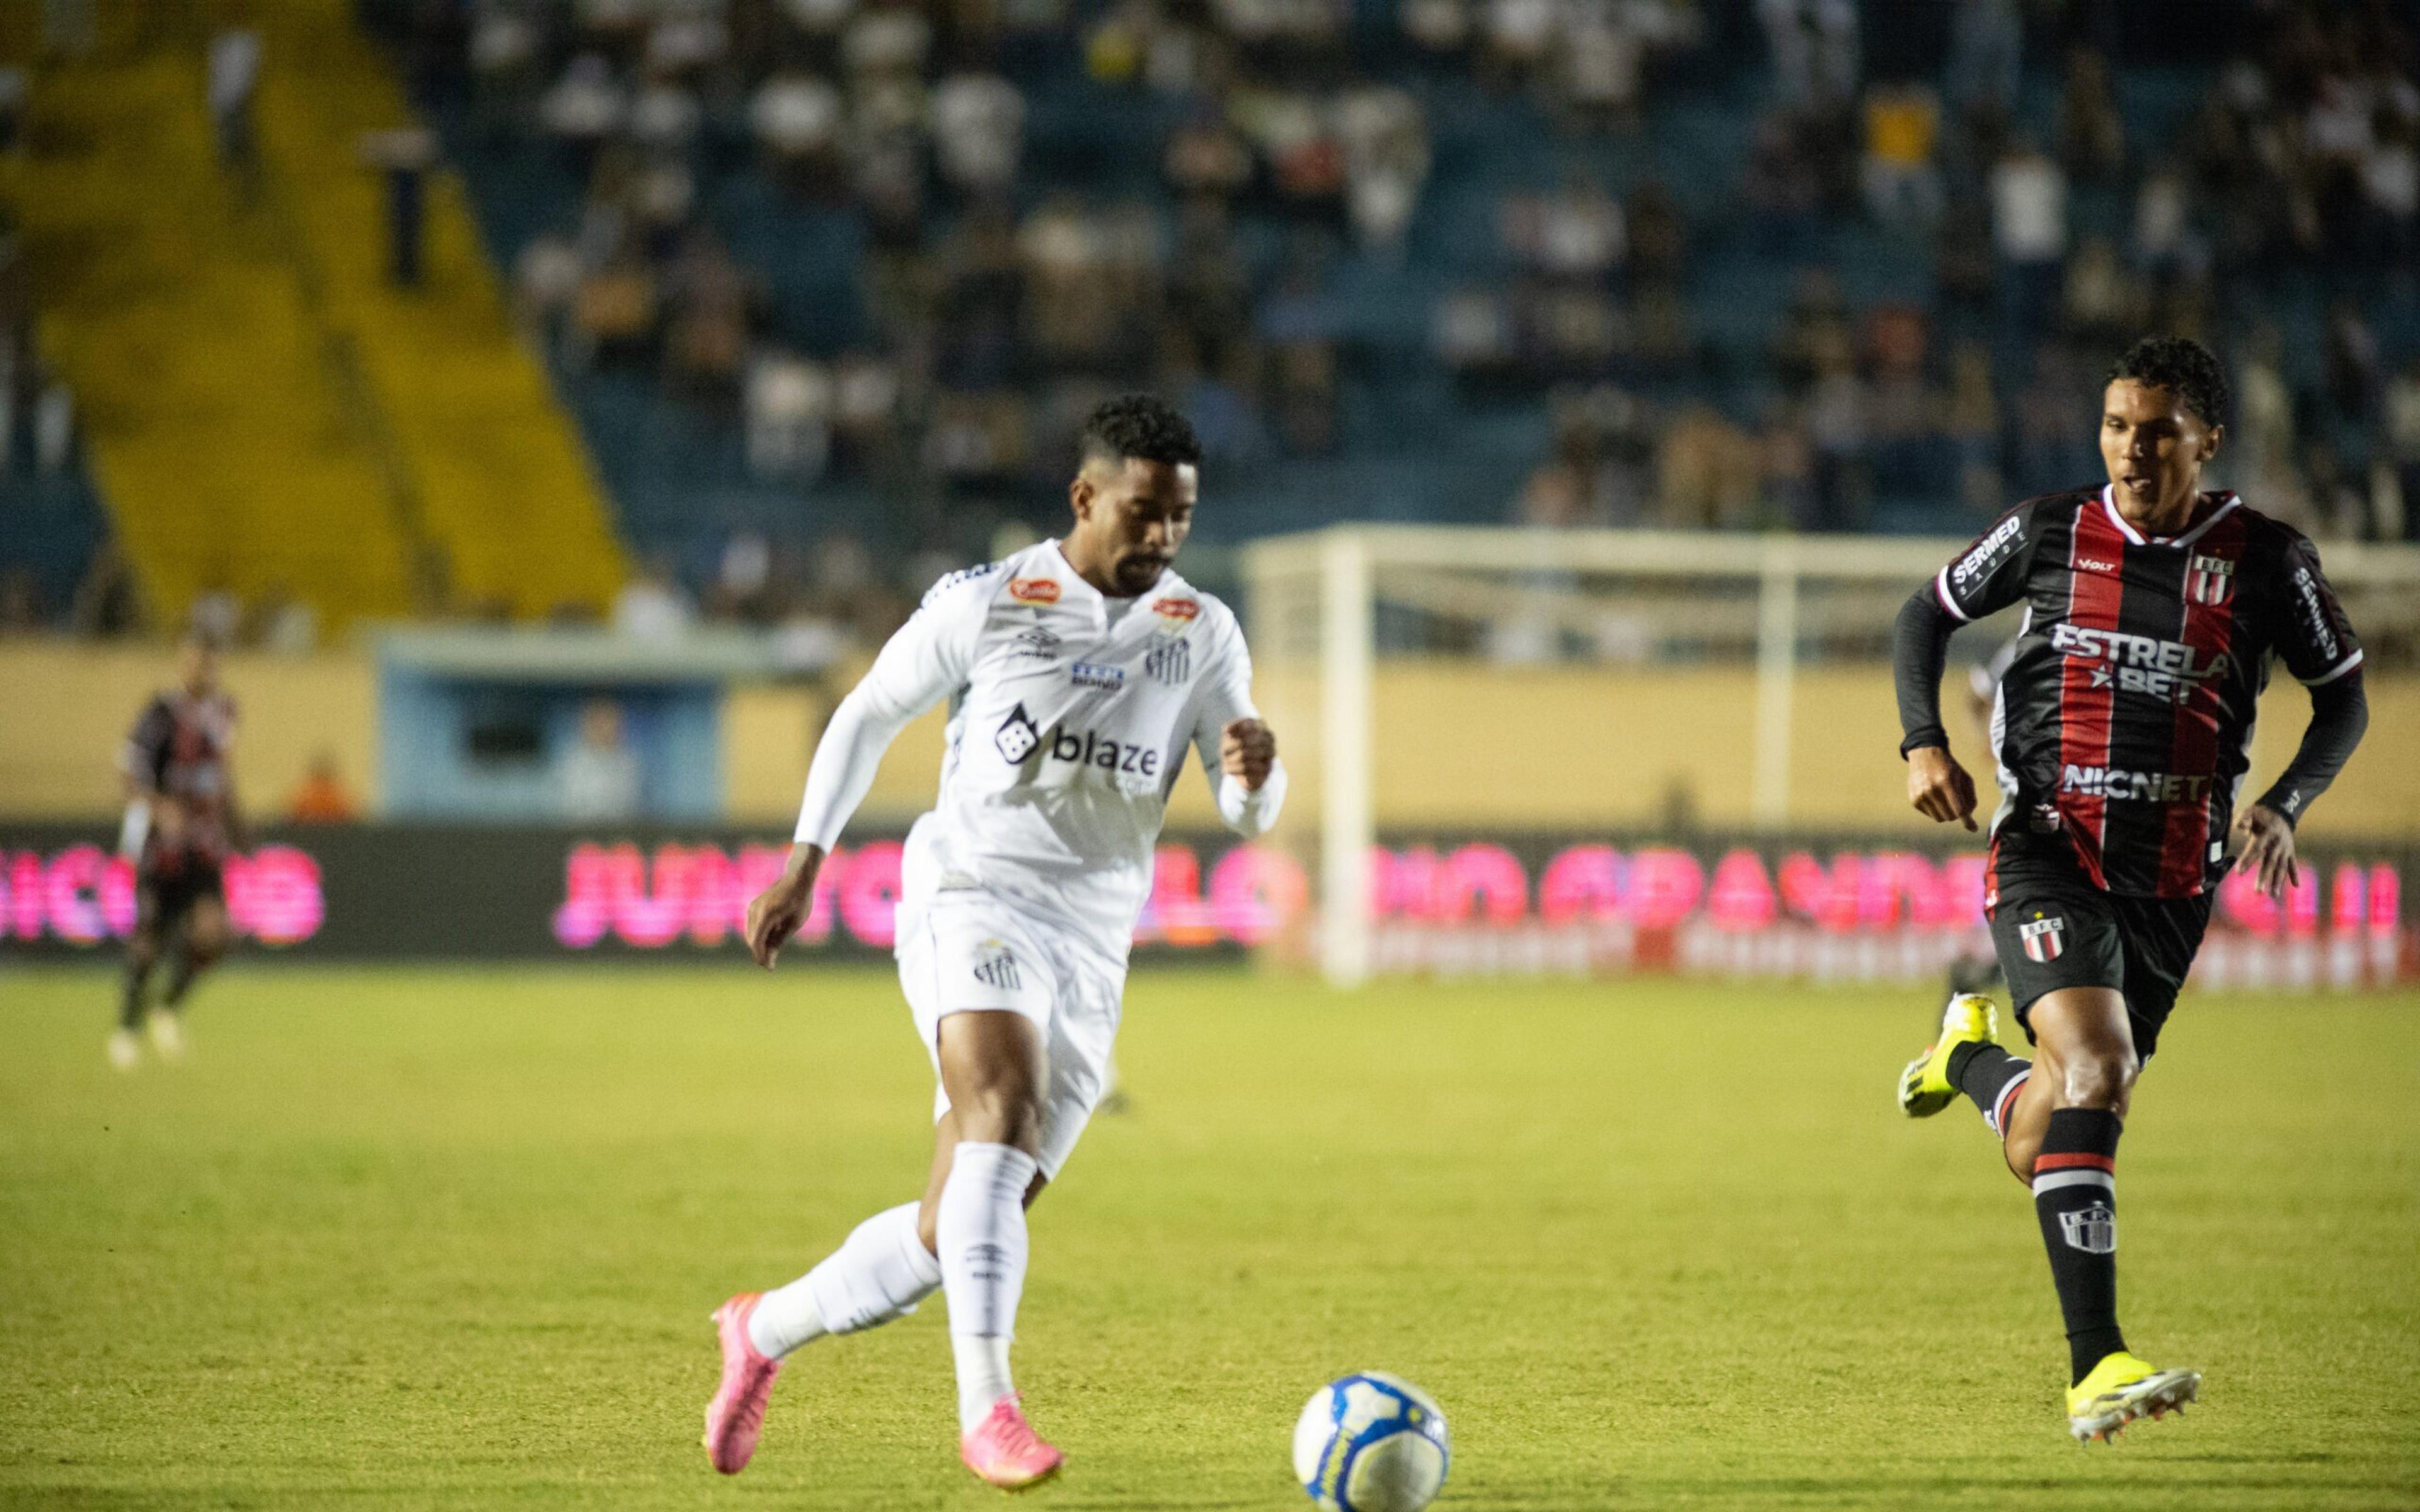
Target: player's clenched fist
{"x":1247,"y":750}
{"x":1938,"y":787}
{"x":775,"y":914}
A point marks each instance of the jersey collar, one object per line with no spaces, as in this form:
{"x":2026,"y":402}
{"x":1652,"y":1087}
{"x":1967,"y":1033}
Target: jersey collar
{"x":2226,"y":502}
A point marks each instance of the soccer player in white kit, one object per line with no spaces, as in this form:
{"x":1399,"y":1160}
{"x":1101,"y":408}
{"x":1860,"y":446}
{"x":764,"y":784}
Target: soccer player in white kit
{"x":1077,"y":672}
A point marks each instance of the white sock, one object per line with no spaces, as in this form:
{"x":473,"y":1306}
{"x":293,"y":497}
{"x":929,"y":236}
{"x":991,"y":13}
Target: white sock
{"x":982,"y":1233}
{"x":881,"y":1270}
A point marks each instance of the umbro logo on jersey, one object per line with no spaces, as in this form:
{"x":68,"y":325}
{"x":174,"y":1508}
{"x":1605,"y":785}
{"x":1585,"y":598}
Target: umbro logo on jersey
{"x":1017,"y":737}
{"x":1034,"y":643}
{"x":2045,"y":939}
{"x":1033,"y":590}
{"x":1170,"y":662}
{"x":997,"y":968}
{"x":1094,"y":675}
{"x":2209,"y":579}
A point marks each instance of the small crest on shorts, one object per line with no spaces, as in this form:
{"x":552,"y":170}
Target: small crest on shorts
{"x":2209,"y":579}
{"x":2045,"y":939}
{"x":997,"y":965}
{"x":2092,"y":1229}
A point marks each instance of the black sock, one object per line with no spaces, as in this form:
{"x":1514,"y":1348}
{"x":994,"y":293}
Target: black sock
{"x":2075,"y":1197}
{"x":129,"y":1004}
{"x":1990,"y":1076}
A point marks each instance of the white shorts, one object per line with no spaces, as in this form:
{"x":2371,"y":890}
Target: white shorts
{"x":968,"y":951}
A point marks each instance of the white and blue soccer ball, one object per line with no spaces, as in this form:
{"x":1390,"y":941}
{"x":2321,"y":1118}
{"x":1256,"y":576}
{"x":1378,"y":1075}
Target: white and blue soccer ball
{"x":1371,"y":1442}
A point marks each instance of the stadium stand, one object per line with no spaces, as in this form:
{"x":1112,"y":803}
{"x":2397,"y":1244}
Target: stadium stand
{"x":809,"y":268}
{"x":375,"y":451}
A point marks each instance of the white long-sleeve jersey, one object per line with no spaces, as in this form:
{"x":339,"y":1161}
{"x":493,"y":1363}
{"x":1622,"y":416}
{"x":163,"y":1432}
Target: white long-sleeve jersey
{"x":1070,"y":713}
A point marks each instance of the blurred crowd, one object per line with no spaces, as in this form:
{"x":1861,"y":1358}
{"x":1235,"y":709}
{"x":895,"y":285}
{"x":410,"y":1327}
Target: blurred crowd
{"x":2051,"y":239}
{"x":901,"y":247}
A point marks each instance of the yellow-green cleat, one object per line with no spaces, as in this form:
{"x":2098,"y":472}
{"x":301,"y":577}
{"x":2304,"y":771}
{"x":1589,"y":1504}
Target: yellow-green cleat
{"x":1924,"y":1087}
{"x":2122,"y":1388}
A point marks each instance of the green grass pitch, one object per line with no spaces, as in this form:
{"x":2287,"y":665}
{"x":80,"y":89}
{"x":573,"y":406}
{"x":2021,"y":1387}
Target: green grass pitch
{"x":402,"y":1239}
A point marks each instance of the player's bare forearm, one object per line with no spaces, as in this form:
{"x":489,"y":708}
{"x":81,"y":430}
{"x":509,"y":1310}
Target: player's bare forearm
{"x":775,"y":914}
{"x":1247,"y":750}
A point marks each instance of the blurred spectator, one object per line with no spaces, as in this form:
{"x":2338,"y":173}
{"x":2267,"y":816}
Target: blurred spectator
{"x":2101,"y":301}
{"x":2401,"y":434}
{"x":790,"y":413}
{"x":1813,"y":44}
{"x":2029,"y":228}
{"x":584,"y":107}
{"x":12,"y":107}
{"x":21,"y":602}
{"x":2355,"y":370}
{"x":234,"y":67}
{"x":55,"y":427}
{"x":284,"y":625}
{"x":2165,"y":240}
{"x":1838,"y":426}
{"x":797,"y":120}
{"x":651,"y":606}
{"x":321,"y":798}
{"x":108,"y":601}
{"x":1386,"y":161}
{"x":1706,"y":473}
{"x":1576,"y":233}
{"x":2091,"y":132}
{"x":1901,"y":184}
{"x":978,"y":132}
{"x":743,"y":580}
{"x":598,"y":778}
{"x":1986,"y":51}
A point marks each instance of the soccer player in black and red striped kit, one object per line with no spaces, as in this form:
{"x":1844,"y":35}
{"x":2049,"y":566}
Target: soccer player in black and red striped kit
{"x":182,"y":823}
{"x":2122,"y":732}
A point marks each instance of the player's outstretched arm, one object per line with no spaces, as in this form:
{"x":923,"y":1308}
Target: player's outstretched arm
{"x":1937,"y":787}
{"x":2264,"y":831}
{"x":928,"y":659}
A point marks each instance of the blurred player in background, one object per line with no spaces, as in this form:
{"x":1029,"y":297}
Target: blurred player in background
{"x":1078,"y":675}
{"x":2123,"y":731}
{"x":180,"y":822}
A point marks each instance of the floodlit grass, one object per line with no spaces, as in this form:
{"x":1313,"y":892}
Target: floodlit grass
{"x":449,"y":1239}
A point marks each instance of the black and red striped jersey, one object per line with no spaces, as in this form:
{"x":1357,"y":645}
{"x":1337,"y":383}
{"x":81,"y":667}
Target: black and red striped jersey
{"x":2125,"y":715}
{"x":179,"y":748}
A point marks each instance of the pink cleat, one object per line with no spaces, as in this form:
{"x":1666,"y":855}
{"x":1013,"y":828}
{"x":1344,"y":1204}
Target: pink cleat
{"x":736,"y":1415}
{"x":1005,"y":1451}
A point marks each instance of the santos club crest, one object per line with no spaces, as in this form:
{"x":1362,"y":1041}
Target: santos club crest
{"x":2209,"y":579}
{"x":2045,"y":939}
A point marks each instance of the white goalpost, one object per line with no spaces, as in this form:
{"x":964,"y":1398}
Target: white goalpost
{"x":1327,"y":607}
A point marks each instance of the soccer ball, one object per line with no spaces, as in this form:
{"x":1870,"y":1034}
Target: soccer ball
{"x":1371,"y":1442}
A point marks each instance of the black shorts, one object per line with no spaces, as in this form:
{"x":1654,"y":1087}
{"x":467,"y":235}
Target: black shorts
{"x":2053,"y":928}
{"x":163,"y":895}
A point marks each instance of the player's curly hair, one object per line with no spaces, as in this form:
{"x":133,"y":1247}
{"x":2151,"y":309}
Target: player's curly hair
{"x":1144,"y":426}
{"x":2182,"y":366}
